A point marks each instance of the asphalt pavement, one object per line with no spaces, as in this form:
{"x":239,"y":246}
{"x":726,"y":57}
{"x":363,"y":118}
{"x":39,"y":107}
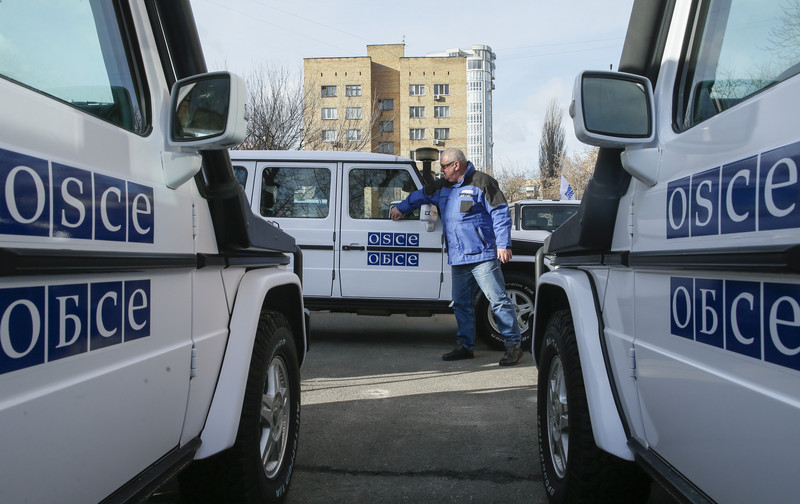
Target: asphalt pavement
{"x":385,"y":420}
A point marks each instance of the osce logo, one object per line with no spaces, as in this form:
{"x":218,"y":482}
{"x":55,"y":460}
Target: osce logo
{"x":388,"y":255}
{"x":56,"y":200}
{"x":45,"y":323}
{"x":759,"y":193}
{"x":757,"y":319}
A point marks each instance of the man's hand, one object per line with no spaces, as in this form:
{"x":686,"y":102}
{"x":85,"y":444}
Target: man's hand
{"x":504,"y":255}
{"x":396,"y":214}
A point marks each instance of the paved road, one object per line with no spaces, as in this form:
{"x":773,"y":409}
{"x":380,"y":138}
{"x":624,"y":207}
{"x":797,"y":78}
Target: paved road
{"x":385,"y":420}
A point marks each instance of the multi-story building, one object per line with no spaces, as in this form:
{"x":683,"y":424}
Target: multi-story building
{"x":387,"y":102}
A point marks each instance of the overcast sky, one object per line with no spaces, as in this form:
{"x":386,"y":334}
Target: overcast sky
{"x":540,"y":45}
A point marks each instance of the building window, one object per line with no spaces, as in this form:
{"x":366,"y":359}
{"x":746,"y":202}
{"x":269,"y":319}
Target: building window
{"x":329,"y":136}
{"x":441,"y":111}
{"x":416,"y":134}
{"x":441,"y":89}
{"x":441,"y":133}
{"x":353,"y":113}
{"x":353,"y":135}
{"x":475,"y":86}
{"x":474,"y":64}
{"x":386,"y":147}
{"x":328,"y":91}
{"x":385,"y":126}
{"x":330,"y":113}
{"x":387,"y":104}
{"x":416,"y":112}
{"x":416,"y":90}
{"x":352,"y":90}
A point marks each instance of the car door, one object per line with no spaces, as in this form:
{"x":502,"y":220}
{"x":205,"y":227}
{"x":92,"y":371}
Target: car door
{"x":717,"y":300}
{"x":378,"y":257}
{"x":95,"y":293}
{"x":297,"y":195}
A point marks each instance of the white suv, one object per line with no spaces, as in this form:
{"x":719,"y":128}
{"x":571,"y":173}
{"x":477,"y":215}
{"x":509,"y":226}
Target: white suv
{"x":669,"y":332}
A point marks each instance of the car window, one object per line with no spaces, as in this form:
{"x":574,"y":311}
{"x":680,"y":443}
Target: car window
{"x":737,"y":49}
{"x":547,"y":217}
{"x":373,"y":192}
{"x":73,"y":50}
{"x":240,"y":172}
{"x":302,"y":193}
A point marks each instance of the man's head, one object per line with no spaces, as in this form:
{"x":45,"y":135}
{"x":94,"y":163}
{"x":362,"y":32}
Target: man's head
{"x":453,"y":164}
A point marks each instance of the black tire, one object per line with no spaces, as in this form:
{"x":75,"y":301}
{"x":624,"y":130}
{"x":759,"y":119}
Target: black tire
{"x":574,"y":469}
{"x":522,"y":291}
{"x":270,"y":422}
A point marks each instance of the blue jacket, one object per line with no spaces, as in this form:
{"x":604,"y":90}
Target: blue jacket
{"x":474,"y":213}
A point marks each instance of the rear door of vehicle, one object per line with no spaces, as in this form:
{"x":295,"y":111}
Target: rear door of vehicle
{"x":378,"y":257}
{"x":717,"y":297}
{"x":97,"y":255}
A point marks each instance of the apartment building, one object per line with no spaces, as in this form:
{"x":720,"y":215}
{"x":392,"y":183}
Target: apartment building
{"x":388,"y":102}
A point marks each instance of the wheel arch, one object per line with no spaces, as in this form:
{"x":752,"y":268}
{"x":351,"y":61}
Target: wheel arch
{"x":260,"y":289}
{"x":573,"y":290}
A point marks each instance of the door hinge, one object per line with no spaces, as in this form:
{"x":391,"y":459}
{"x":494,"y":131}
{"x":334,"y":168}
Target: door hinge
{"x":193,"y":366}
{"x":632,"y":362}
{"x":630,"y":219}
{"x":194,"y":220}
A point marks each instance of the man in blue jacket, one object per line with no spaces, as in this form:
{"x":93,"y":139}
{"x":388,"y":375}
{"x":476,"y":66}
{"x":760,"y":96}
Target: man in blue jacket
{"x":477,"y":225}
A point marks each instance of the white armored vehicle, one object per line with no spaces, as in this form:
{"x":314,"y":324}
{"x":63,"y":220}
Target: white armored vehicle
{"x":147,"y":320}
{"x":668,"y":335}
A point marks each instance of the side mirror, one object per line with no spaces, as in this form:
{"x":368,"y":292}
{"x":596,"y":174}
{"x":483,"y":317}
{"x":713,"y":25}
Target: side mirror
{"x":208,"y":111}
{"x":613,"y":109}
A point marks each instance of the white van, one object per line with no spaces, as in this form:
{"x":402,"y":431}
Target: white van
{"x":669,"y":333}
{"x":147,"y":319}
{"x":355,"y":258}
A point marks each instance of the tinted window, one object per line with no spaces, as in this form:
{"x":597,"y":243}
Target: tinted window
{"x":240,"y":172}
{"x":740,"y":47}
{"x":373,"y":192}
{"x":73,"y":50}
{"x":547,"y":217}
{"x":295,"y":192}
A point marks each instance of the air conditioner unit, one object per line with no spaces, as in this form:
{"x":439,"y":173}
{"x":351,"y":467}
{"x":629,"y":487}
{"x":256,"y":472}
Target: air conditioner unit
{"x":438,"y":97}
{"x":438,"y":142}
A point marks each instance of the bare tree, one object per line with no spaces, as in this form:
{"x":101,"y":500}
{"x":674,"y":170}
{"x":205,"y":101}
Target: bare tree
{"x":514,"y":180}
{"x":276,"y":108}
{"x":578,"y":169}
{"x":552,"y":146}
{"x":785,"y":36}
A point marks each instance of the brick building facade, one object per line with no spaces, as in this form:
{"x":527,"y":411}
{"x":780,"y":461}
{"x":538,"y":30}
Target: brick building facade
{"x":387,"y":102}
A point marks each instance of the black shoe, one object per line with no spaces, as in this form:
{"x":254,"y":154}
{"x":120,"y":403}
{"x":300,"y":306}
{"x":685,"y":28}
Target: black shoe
{"x":459,"y":353}
{"x":512,"y":356}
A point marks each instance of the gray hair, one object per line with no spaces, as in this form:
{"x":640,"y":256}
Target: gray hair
{"x":454,"y":154}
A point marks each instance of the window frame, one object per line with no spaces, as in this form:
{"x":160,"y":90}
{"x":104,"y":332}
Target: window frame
{"x":437,"y":89}
{"x":411,"y":133}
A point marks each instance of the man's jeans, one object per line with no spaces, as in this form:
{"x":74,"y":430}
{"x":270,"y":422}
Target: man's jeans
{"x":487,"y":276}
